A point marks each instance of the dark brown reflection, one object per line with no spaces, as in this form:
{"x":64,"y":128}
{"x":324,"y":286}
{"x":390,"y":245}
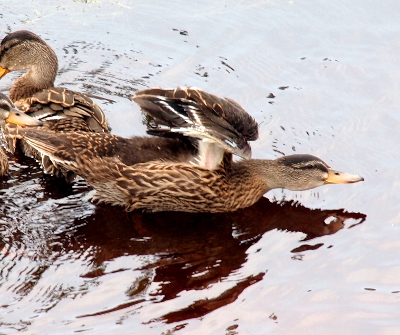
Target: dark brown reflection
{"x":197,"y":250}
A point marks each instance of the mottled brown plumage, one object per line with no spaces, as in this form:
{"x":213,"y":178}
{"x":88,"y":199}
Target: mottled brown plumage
{"x":180,"y":181}
{"x":10,"y":114}
{"x":35,"y":94}
{"x":4,"y":166}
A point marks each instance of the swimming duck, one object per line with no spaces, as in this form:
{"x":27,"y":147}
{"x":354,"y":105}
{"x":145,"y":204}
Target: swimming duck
{"x":10,"y":114}
{"x":34,"y":92}
{"x":205,"y":180}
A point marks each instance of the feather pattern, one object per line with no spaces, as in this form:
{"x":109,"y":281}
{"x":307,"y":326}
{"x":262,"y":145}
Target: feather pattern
{"x":195,"y":113}
{"x":11,"y":115}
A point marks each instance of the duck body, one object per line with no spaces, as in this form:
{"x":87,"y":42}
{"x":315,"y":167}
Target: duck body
{"x":150,"y":173}
{"x":35,"y":93}
{"x":177,"y":178}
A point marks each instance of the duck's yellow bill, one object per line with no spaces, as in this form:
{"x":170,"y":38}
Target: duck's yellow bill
{"x":336,"y":177}
{"x":3,"y":72}
{"x":22,"y":119}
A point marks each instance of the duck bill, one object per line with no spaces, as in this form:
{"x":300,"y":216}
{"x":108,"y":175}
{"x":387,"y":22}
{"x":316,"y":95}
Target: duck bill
{"x":336,"y":177}
{"x":21,"y":119}
{"x":3,"y":72}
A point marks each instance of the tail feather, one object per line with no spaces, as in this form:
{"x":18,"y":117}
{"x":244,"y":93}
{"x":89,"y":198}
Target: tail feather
{"x":55,"y":145}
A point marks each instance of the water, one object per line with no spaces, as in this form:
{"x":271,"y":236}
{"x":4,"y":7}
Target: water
{"x":320,"y":78}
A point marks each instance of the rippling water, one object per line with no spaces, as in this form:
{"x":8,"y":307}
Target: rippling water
{"x":319,"y":77}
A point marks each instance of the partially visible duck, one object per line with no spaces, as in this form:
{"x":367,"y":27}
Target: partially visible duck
{"x":10,"y":114}
{"x":34,"y":92}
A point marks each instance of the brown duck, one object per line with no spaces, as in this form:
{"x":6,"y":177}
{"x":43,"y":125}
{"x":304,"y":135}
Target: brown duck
{"x":34,"y":93}
{"x":10,"y":114}
{"x":191,"y":171}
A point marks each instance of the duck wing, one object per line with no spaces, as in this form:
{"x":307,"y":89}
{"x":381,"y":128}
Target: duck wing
{"x":59,"y":103}
{"x":195,"y":113}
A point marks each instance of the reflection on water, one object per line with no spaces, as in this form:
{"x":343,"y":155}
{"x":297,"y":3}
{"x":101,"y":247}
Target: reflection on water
{"x":56,"y":246}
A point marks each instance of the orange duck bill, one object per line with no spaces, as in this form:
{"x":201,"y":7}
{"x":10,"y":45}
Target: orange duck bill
{"x":3,"y":72}
{"x":336,"y":177}
{"x":22,"y":119}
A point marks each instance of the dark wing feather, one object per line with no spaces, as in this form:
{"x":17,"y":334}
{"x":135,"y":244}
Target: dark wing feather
{"x":193,"y":120}
{"x":198,"y":114}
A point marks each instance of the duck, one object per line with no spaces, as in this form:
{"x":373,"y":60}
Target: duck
{"x":202,"y":176}
{"x":35,"y":93}
{"x":10,"y":114}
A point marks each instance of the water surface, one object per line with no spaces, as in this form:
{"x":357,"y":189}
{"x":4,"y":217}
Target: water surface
{"x":319,"y":77}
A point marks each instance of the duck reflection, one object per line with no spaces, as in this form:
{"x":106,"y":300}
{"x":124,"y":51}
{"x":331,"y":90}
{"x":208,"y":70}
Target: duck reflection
{"x":195,"y":251}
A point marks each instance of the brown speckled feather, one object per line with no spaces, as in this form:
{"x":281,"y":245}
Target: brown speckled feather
{"x":179,"y":186}
{"x":70,"y":146}
{"x":3,"y":162}
{"x":9,"y":114}
{"x":63,"y":103}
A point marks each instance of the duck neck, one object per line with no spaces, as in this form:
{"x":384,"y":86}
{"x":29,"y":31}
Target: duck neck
{"x":265,"y":172}
{"x":252,"y":178}
{"x":40,"y":75}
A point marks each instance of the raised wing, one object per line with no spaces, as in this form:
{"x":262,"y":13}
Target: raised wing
{"x":195,"y":113}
